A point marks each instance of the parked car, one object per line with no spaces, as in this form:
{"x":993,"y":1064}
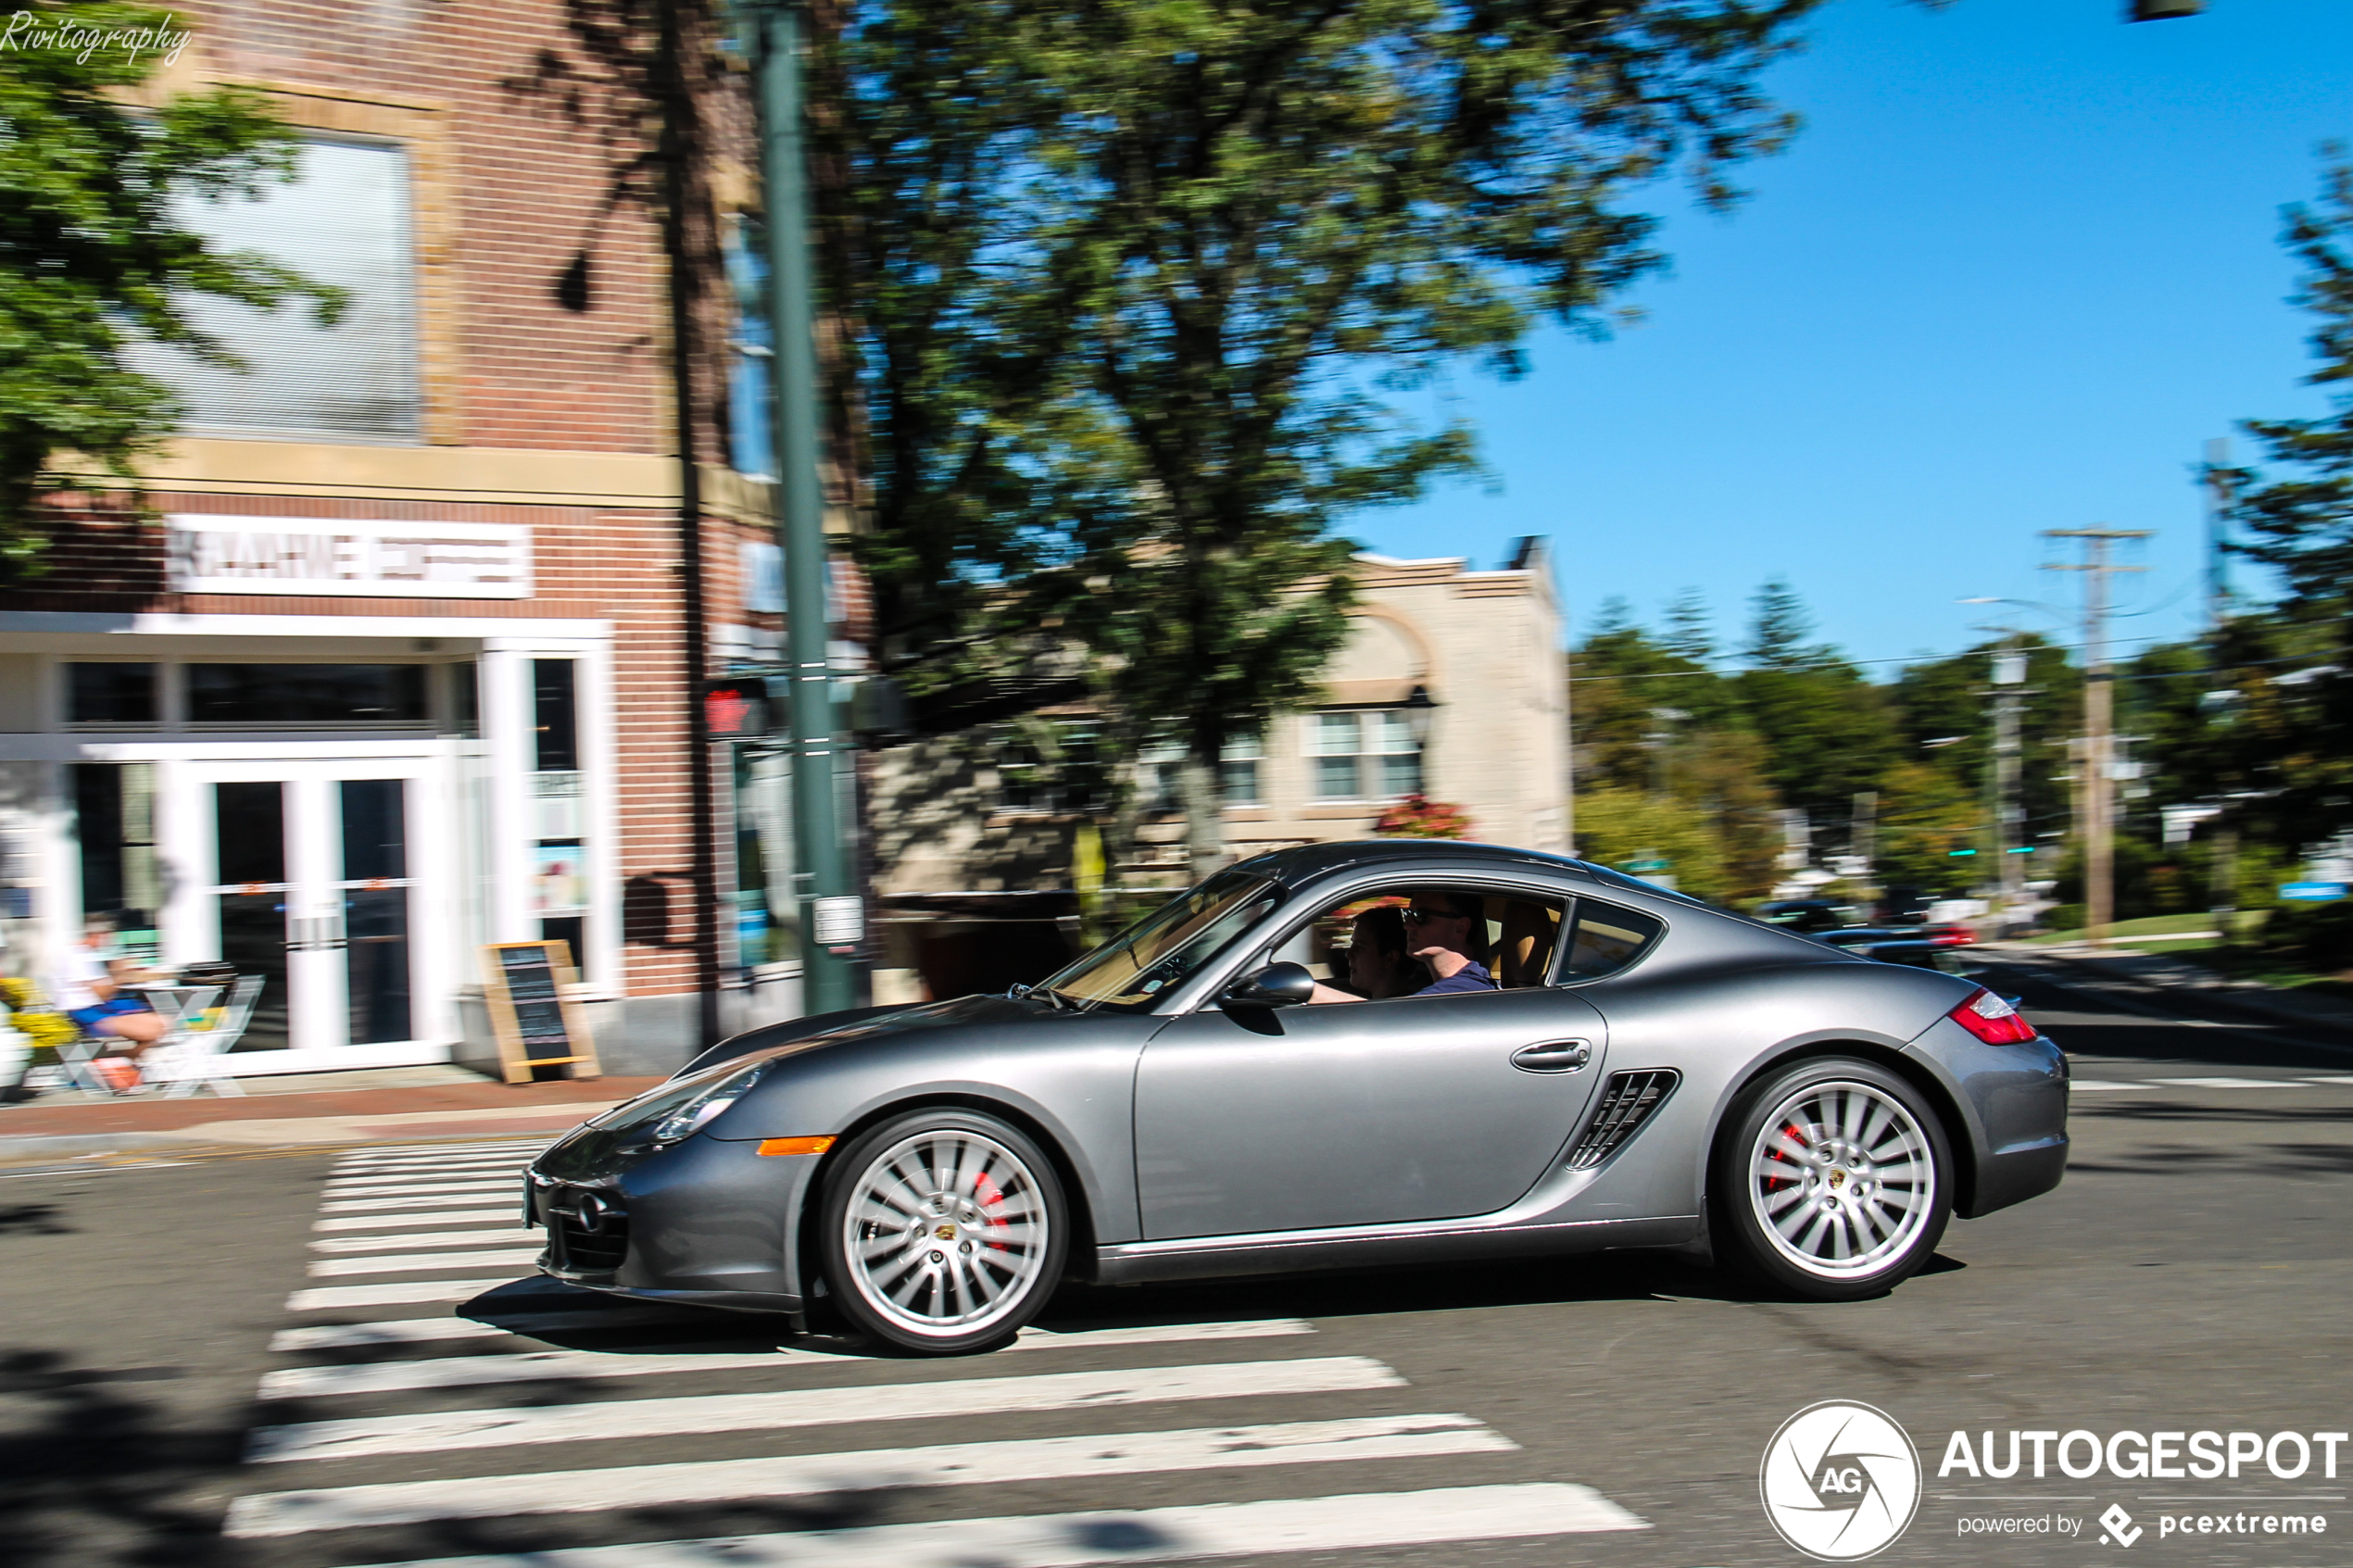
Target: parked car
{"x":1805,"y":914}
{"x":1649,"y":1072}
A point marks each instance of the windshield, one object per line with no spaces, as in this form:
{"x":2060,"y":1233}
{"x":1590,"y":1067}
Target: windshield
{"x":1166,"y":946}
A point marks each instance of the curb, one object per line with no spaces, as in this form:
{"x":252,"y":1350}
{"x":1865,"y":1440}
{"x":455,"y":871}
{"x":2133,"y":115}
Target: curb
{"x":2172,"y":980}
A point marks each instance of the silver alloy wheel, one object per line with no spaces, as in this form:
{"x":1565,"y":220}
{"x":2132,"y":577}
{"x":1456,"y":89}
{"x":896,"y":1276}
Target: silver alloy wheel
{"x":945,"y":1233}
{"x":1842,"y":1178}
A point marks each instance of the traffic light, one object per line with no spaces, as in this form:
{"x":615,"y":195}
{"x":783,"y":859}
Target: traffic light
{"x":2163,"y":10}
{"x":736,"y":707}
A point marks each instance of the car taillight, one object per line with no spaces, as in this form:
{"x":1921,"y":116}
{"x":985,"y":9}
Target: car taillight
{"x":1951,"y":939}
{"x":1993,"y":1020}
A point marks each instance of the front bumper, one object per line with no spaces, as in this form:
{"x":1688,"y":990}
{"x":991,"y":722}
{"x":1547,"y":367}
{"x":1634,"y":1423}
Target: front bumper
{"x":706,"y":1221}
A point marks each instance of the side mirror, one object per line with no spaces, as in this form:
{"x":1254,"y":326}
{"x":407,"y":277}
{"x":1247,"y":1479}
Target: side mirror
{"x":1276,"y":985}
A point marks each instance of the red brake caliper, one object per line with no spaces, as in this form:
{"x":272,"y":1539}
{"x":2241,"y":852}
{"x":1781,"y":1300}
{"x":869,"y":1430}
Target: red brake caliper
{"x":989,"y":1196}
{"x":1775,"y":1183}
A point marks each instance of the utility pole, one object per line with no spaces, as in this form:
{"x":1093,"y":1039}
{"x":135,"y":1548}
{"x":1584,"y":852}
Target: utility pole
{"x":2097,"y":790}
{"x":833,"y":924}
{"x":2007,"y":690}
{"x":2219,"y":498}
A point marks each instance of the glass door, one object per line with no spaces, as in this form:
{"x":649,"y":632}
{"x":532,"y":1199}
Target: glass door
{"x":313,"y":892}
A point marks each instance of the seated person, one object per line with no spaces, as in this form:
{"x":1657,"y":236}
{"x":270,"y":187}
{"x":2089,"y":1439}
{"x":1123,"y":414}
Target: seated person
{"x":1378,"y":963}
{"x":1440,"y":933}
{"x":89,"y":990}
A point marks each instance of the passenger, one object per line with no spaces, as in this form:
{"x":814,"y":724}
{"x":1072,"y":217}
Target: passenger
{"x":1439,"y":928}
{"x":1379,"y":965}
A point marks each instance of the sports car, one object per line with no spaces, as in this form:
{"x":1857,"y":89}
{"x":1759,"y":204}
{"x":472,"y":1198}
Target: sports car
{"x":1202,"y":1097}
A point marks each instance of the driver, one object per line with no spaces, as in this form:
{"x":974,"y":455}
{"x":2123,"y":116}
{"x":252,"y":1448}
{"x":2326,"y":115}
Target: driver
{"x":1439,"y":926}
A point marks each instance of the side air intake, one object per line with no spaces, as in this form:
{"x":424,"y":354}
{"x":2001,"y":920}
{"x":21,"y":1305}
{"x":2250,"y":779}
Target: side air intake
{"x":1627,"y":1101}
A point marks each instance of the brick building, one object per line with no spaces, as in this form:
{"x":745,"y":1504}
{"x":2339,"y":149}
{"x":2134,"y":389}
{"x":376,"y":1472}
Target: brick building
{"x":400,"y":658}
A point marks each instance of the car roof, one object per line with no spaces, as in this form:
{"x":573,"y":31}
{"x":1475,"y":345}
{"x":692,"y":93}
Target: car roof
{"x":1309,"y":862}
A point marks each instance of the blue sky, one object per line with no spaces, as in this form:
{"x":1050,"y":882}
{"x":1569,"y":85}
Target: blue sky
{"x":2019,"y":266}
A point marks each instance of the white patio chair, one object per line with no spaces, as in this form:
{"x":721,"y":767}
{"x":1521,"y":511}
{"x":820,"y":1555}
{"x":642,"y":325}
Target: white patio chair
{"x":195,"y":1053}
{"x":78,"y":1057}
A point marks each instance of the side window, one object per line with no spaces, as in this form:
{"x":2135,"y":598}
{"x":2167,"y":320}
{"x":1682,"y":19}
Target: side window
{"x":1605,"y":939}
{"x":1366,"y":946}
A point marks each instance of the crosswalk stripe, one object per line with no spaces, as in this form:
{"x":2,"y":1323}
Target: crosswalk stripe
{"x":2098,"y":1084}
{"x":1359,"y":1522}
{"x":464,"y":1372}
{"x":444,"y":1430}
{"x":405,"y":1188}
{"x":2220,"y":1084}
{"x":946,"y":1464}
{"x":431,"y":1161}
{"x":377,"y":1178}
{"x":422,"y":1238}
{"x":411,"y":1262}
{"x":507,"y":1212}
{"x":326,"y":1297}
{"x":411,"y":1330}
{"x":2329,"y":1080}
{"x":380,"y":1203}
{"x":486,"y":1145}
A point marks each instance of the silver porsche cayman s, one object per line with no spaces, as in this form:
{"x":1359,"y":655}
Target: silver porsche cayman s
{"x":1226,"y":1089}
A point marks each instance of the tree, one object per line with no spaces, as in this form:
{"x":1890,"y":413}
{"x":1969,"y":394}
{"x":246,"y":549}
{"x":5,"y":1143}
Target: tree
{"x":2303,"y":525}
{"x":1828,"y":733}
{"x":94,"y":251}
{"x":1195,"y":253}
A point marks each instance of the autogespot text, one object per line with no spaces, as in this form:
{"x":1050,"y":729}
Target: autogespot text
{"x":2155,"y":1456}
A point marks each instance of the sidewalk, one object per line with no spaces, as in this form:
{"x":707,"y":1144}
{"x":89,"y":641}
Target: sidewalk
{"x":2147,"y":975}
{"x":446,"y":1104}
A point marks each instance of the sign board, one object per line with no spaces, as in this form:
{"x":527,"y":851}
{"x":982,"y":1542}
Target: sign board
{"x":524,"y":985}
{"x":358,"y":559}
{"x":2313,"y":890}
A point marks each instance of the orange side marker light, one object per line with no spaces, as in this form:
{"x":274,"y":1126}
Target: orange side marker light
{"x":796,"y":1145}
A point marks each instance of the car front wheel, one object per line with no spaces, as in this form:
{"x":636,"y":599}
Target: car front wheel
{"x":942,"y":1231}
{"x":1834,"y":1180}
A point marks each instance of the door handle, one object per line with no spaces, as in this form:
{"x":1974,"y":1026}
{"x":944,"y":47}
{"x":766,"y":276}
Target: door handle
{"x":1553,"y":1055}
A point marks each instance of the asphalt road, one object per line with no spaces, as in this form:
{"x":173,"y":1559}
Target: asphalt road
{"x":2192,"y":1275}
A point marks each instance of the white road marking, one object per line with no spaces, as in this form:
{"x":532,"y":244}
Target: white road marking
{"x":413,"y":1262}
{"x":2221,"y":1084}
{"x":406,"y":1188}
{"x":422,"y":1238}
{"x":2095,"y":1084}
{"x":382,"y":1175}
{"x":411,"y":1330}
{"x":380,"y":1202}
{"x":332,"y":1295}
{"x":462,"y":1372}
{"x":507,"y":1213}
{"x":436,"y":1163}
{"x":946,"y":1464}
{"x":441,"y":1431}
{"x":2329,"y":1080}
{"x":487,"y":1145}
{"x":1361,"y":1523}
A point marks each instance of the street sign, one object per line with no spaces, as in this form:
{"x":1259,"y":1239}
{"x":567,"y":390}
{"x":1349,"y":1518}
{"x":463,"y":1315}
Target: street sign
{"x":2315,"y":891}
{"x":1645,"y":868}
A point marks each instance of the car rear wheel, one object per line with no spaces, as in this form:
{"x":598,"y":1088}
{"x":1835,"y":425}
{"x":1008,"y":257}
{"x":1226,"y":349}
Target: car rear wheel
{"x":1834,"y":1180}
{"x":942,"y":1231}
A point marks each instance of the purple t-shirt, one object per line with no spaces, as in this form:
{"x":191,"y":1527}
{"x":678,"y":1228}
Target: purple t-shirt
{"x":1472,"y":976}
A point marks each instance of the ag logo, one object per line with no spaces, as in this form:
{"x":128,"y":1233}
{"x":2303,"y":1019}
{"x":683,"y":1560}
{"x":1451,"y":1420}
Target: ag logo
{"x":1839,"y":1481}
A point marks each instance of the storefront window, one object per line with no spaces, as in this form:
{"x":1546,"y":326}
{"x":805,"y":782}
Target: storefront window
{"x":559,"y":870}
{"x":764,"y":857}
{"x":110,"y":694}
{"x":306,"y":693}
{"x":114,"y":810}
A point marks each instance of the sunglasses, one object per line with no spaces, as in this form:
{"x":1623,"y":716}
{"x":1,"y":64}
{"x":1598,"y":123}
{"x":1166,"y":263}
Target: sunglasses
{"x":1420,"y":916}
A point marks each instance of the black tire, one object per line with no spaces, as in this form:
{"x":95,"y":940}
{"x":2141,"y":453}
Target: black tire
{"x":977,"y":1218}
{"x":1868,"y":1190}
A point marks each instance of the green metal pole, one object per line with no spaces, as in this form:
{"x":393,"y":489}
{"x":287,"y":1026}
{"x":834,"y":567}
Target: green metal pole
{"x":832,"y":919}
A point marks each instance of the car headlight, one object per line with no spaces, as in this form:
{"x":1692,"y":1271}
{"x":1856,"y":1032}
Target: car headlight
{"x":691,"y":1117}
{"x":676,"y":1112}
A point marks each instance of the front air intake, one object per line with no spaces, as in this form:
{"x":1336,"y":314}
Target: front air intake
{"x":1627,"y":1101}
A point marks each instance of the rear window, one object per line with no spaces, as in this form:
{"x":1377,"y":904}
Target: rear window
{"x":1605,"y":938}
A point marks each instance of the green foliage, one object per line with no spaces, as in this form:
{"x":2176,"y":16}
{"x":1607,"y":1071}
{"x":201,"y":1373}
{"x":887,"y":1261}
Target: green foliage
{"x":91,"y":251}
{"x":1136,"y":283}
{"x":1924,"y":815}
{"x":1418,"y":815}
{"x":1615,"y":827}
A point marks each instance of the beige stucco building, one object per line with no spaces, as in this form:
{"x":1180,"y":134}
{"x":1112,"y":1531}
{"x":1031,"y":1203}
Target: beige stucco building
{"x":1451,"y":684}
